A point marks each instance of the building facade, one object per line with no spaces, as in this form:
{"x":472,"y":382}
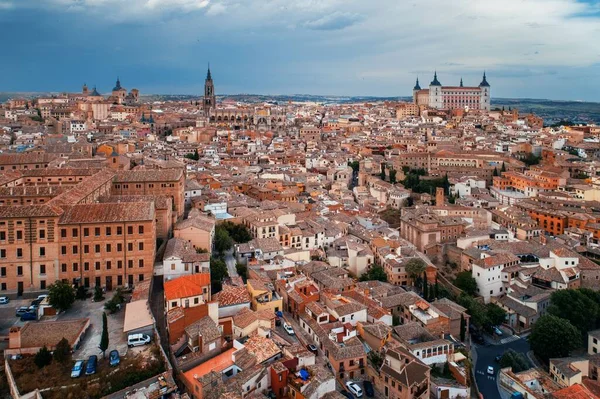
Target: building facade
{"x":453,"y":97}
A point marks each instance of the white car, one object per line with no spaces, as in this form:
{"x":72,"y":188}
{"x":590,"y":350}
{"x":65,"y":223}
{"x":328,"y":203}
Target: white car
{"x":354,"y":388}
{"x":4,"y":300}
{"x":490,"y":370}
{"x":137,"y":340}
{"x":288,"y":329}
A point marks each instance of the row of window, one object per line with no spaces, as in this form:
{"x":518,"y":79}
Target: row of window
{"x":75,"y":267}
{"x":97,"y":248}
{"x":97,"y":231}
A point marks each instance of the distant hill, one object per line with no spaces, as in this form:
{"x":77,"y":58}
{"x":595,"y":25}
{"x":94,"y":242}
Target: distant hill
{"x":551,"y":111}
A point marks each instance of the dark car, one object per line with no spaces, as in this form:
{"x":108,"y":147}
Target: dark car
{"x":346,"y":394}
{"x":313,"y":349}
{"x":21,"y":311}
{"x":36,"y":302}
{"x":368,"y":387}
{"x":28,"y":316}
{"x":113,"y":358}
{"x":92,"y":363}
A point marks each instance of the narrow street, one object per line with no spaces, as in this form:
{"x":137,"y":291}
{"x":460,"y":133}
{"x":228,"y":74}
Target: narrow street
{"x":230,"y":262}
{"x":158,"y":310}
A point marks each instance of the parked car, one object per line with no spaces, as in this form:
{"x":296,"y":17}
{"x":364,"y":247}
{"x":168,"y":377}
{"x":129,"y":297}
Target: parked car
{"x":36,"y":302}
{"x":21,"y":311}
{"x":313,"y":349}
{"x":497,"y":331}
{"x":354,"y":388}
{"x":4,"y":300}
{"x":113,"y":358}
{"x":368,"y":387}
{"x":92,"y":363}
{"x":42,"y":297}
{"x":346,"y":394}
{"x":138,"y":340}
{"x":288,"y":329}
{"x":77,"y":369}
{"x":28,"y":316}
{"x":490,"y":370}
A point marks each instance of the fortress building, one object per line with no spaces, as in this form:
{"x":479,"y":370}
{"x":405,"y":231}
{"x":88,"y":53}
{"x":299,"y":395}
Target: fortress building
{"x":453,"y":97}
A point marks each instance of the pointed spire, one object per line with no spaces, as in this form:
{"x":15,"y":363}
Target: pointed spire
{"x":117,"y":85}
{"x":208,"y":76}
{"x":435,"y":81}
{"x":417,"y":86}
{"x":484,"y":82}
{"x":461,"y":82}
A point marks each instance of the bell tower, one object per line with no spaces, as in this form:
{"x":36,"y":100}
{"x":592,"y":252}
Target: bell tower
{"x":209,"y":93}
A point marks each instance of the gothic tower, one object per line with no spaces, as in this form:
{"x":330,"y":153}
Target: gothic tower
{"x":209,"y":93}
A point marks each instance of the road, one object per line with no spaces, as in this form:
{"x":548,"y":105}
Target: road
{"x":485,"y":357}
{"x":230,"y":262}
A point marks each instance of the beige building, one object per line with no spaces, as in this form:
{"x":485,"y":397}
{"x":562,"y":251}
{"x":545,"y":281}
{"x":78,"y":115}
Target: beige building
{"x":198,"y":231}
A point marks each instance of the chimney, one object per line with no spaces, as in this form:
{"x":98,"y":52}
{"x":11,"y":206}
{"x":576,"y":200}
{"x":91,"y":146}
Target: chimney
{"x":14,"y":338}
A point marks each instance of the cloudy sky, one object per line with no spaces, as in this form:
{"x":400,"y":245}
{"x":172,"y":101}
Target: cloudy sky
{"x":529,"y":48}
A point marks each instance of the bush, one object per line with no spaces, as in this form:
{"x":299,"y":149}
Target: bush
{"x":43,"y":357}
{"x":62,"y":352}
{"x":61,"y":295}
{"x":517,"y":361}
{"x":98,"y":294}
{"x":466,"y":282}
{"x":81,"y":293}
{"x":115,"y":302}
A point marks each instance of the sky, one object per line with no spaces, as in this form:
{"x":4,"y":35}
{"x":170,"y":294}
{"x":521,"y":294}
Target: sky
{"x":529,"y":48}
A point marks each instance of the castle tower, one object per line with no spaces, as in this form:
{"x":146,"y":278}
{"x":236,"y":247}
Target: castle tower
{"x":85,"y":90}
{"x":415,"y":91}
{"x":435,"y":93}
{"x":210,"y":101}
{"x":439,"y":196}
{"x":485,"y":94}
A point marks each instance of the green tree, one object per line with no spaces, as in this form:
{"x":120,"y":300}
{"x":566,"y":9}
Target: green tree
{"x":382,"y":174}
{"x":223,"y":241}
{"x":98,"y":294}
{"x":62,"y":351}
{"x":503,"y":168}
{"x":61,"y":295}
{"x":495,"y":314}
{"x":393,"y":176}
{"x":463,"y":328}
{"x":495,"y":172}
{"x":104,"y":337}
{"x":476,"y":310}
{"x":375,"y":273}
{"x":553,"y":337}
{"x":201,"y":250}
{"x":237,"y":231}
{"x":43,"y":357}
{"x":218,"y":271}
{"x":355,"y":165}
{"x":517,"y":361}
{"x":415,"y":267}
{"x":425,"y":287}
{"x":376,"y":359}
{"x":81,"y":293}
{"x":242,"y":270}
{"x":578,"y":306}
{"x":466,"y":282}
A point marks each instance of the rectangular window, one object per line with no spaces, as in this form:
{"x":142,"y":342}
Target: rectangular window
{"x":97,"y":265}
{"x":97,"y":248}
{"x":119,"y":264}
{"x":2,"y":271}
{"x":63,"y":267}
{"x":86,"y":249}
{"x":130,"y":263}
{"x":75,"y":266}
{"x":19,"y":270}
{"x":141,"y":246}
{"x":119,"y":247}
{"x":86,"y":266}
{"x":141,"y":229}
{"x":2,"y":253}
{"x":108,"y":231}
{"x":141,"y":277}
{"x":63,"y":233}
{"x":75,"y":232}
{"x":2,"y":235}
{"x":130,"y":246}
{"x":97,"y":231}
{"x":129,"y":229}
{"x":42,"y":269}
{"x":141,"y":263}
{"x":42,"y":251}
{"x":19,"y":234}
{"x":108,"y":248}
{"x":86,"y":232}
{"x":74,"y":249}
{"x":19,"y":252}
{"x":108,"y":265}
{"x":119,"y":230}
{"x":42,"y":234}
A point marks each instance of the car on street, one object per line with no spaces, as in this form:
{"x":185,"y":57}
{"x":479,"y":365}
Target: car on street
{"x":4,"y":300}
{"x":346,"y":394}
{"x":288,"y":329}
{"x":27,"y":316}
{"x":36,"y":302}
{"x":42,"y":297}
{"x":113,"y":358}
{"x":21,"y":311}
{"x":137,"y":340}
{"x":490,"y":370}
{"x":368,"y":387}
{"x":497,"y":331}
{"x":313,"y":349}
{"x":77,"y":369}
{"x":354,"y":388}
{"x":92,"y":363}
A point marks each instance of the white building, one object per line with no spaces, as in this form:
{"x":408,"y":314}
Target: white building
{"x":487,"y":273}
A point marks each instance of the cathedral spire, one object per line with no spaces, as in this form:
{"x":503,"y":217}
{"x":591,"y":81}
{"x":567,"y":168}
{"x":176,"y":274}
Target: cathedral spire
{"x":417,"y":86}
{"x":208,"y":76}
{"x":435,"y":81}
{"x":484,"y":82}
{"x":461,"y":83}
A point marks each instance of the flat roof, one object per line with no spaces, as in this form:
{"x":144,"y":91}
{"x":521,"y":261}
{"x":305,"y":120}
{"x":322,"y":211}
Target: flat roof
{"x":137,"y":315}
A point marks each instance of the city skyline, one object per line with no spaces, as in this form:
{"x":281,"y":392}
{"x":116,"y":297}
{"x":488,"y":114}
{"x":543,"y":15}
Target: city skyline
{"x":532,"y":49}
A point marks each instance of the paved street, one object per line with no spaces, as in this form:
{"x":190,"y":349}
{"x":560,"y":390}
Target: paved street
{"x":230,"y":262}
{"x":485,"y":357}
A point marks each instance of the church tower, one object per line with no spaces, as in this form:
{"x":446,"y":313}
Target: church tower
{"x":210,"y":101}
{"x":435,"y":93}
{"x":485,"y":97}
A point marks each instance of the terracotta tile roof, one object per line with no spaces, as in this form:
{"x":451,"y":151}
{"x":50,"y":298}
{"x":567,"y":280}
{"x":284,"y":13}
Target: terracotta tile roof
{"x":130,"y":176}
{"x":261,"y":347}
{"x":575,"y":391}
{"x":180,"y":248}
{"x":206,"y":328}
{"x":26,"y":211}
{"x":217,"y":363}
{"x":231,"y":295}
{"x":187,"y":286}
{"x":36,"y":335}
{"x":199,"y":222}
{"x":108,"y":213}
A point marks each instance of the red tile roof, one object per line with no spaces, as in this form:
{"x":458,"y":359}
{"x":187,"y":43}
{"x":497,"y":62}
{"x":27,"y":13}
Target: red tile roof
{"x":187,"y":286}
